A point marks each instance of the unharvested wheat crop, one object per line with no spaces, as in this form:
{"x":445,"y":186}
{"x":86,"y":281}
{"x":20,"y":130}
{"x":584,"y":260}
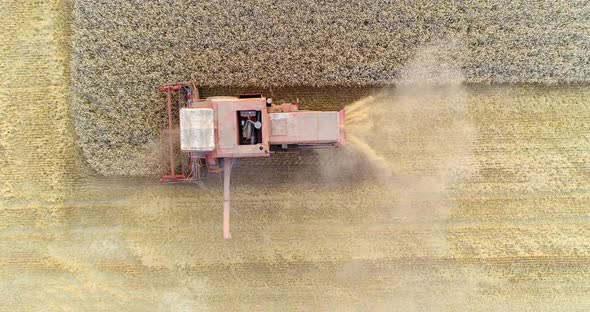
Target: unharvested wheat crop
{"x":124,"y":49}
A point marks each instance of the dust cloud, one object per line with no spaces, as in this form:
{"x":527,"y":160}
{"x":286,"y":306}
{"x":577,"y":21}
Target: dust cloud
{"x":416,"y":140}
{"x":417,"y":137}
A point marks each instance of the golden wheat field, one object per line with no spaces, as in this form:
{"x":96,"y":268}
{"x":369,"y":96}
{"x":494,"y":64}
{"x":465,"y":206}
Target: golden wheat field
{"x":453,"y":197}
{"x":123,"y":49}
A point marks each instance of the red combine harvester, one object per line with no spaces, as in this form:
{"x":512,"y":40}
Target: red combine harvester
{"x":214,"y":131}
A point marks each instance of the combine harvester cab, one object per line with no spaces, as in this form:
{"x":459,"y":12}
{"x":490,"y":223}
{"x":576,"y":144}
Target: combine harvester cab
{"x":214,"y":131}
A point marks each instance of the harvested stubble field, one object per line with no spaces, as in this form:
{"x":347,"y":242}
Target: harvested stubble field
{"x":507,"y":230}
{"x":463,"y":197}
{"x":36,"y":141}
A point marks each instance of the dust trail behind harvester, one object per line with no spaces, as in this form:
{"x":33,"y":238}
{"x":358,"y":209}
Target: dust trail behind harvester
{"x":418,"y":130}
{"x":415,"y":141}
{"x":404,"y":132}
{"x":358,"y":124}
